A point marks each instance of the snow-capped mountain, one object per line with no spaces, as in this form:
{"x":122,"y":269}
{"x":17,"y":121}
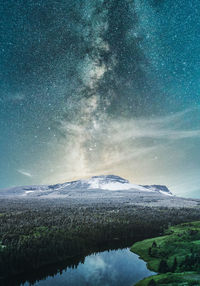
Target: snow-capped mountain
{"x":110,"y":189}
{"x":102,"y":184}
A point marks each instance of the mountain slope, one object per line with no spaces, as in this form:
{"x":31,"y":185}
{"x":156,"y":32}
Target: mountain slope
{"x":102,"y":189}
{"x":100,"y":183}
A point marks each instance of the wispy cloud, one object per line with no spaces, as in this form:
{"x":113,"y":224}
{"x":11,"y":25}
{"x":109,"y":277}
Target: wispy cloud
{"x":112,"y":142}
{"x":143,"y":150}
{"x":12,"y":97}
{"x":133,"y":129}
{"x":25,"y":173}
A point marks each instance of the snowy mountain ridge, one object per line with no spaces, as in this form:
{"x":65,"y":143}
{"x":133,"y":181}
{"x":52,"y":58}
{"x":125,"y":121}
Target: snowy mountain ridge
{"x":96,"y":183}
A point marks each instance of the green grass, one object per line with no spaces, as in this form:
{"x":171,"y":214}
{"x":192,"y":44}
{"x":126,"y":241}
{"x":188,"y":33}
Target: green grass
{"x":178,"y":242}
{"x":141,"y":248}
{"x":173,"y":279}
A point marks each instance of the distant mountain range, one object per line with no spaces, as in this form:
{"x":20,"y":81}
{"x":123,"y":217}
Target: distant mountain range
{"x":102,"y":189}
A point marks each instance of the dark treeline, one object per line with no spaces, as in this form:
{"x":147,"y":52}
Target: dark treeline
{"x":37,"y":233}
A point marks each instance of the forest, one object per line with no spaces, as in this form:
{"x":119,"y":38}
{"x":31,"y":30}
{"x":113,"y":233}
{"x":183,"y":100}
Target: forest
{"x":39,"y":233}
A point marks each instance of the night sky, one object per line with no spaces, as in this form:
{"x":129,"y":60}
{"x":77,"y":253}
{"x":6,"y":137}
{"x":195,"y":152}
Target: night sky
{"x":92,"y":87}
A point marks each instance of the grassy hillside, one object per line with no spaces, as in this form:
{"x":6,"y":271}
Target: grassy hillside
{"x":177,"y":253}
{"x":172,"y":279}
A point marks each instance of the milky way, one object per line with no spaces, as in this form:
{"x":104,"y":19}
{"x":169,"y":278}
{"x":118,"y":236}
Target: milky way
{"x":100,"y":87}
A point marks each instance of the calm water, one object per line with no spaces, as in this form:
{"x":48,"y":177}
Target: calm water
{"x":108,"y":268}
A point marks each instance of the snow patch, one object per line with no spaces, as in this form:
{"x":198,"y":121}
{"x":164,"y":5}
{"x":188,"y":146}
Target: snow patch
{"x":28,"y":192}
{"x":111,"y":185}
{"x":166,"y":194}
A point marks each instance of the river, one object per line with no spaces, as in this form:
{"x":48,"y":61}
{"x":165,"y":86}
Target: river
{"x":109,"y":268}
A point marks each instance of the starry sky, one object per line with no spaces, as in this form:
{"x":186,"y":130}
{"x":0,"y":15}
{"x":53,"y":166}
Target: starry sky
{"x":92,"y":87}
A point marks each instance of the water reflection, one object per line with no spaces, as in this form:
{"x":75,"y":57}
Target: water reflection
{"x":108,"y":268}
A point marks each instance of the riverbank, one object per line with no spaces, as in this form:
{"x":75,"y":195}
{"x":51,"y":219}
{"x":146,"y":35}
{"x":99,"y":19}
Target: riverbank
{"x":175,"y":256}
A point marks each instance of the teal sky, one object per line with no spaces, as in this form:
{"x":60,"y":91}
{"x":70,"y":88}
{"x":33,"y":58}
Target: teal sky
{"x":100,"y":87}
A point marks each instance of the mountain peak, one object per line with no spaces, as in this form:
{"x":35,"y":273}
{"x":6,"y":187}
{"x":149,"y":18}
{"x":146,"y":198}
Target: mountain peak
{"x":113,"y":182}
{"x":110,"y":178}
{"x":108,"y":182}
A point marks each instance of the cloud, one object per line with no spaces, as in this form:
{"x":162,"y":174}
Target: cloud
{"x":96,"y":268}
{"x":25,"y":173}
{"x":166,"y":128}
{"x":17,"y":97}
{"x":107,"y":145}
{"x":14,"y":97}
{"x":143,"y":150}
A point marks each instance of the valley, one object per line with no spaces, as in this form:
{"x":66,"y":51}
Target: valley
{"x":41,"y":233}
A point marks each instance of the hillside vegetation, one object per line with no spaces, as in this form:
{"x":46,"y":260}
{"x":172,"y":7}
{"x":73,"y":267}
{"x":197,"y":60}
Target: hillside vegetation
{"x":175,"y":256}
